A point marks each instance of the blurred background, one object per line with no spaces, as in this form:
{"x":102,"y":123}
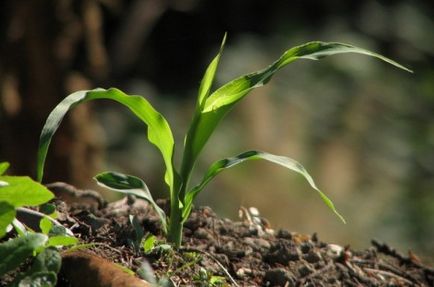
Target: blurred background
{"x":364,"y":129}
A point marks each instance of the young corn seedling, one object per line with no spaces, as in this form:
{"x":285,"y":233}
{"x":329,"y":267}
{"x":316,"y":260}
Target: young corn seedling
{"x":211,"y":107}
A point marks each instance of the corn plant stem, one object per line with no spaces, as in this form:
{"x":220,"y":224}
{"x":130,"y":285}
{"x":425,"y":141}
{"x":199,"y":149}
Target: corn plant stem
{"x":174,"y":234}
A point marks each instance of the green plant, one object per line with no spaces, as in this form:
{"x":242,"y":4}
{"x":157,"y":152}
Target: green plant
{"x":210,"y":110}
{"x":16,"y":192}
{"x":205,"y":278}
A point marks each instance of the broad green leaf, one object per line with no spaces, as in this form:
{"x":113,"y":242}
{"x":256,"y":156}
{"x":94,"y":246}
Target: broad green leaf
{"x":129,"y":184}
{"x":15,"y":251}
{"x":149,"y":243}
{"x":218,"y":104}
{"x":7,"y":215}
{"x":61,"y":240}
{"x":45,"y":225}
{"x":159,"y":132}
{"x":3,"y":167}
{"x":223,"y":164}
{"x":22,"y":190}
{"x":49,"y":260}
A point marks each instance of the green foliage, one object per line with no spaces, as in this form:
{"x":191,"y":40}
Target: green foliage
{"x":15,"y":192}
{"x":30,"y":193}
{"x":14,"y":252}
{"x":149,"y":243}
{"x":211,"y":108}
{"x":205,"y":278}
{"x":132,"y":185}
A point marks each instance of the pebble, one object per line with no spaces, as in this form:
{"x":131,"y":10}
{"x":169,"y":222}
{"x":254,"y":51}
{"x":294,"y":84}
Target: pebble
{"x":257,"y":243}
{"x":306,"y":247}
{"x":305,"y":270}
{"x":242,"y":272}
{"x":334,"y":250}
{"x":279,"y":277}
{"x":312,"y":257}
{"x":201,"y":233}
{"x":281,"y":233}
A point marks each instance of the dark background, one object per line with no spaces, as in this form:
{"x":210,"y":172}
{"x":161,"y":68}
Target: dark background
{"x":364,"y":129}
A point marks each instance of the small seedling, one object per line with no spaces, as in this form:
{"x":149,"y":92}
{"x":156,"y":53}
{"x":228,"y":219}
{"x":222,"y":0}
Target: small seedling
{"x":211,"y":108}
{"x":205,"y":278}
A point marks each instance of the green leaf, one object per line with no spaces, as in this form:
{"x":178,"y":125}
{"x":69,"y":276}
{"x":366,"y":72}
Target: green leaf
{"x":48,"y":260}
{"x":15,"y":251}
{"x":61,"y":240}
{"x":219,"y":103}
{"x":7,"y":215}
{"x":223,"y":164}
{"x":204,"y":90}
{"x":159,"y":132}
{"x":3,"y":167}
{"x":129,"y":184}
{"x":22,"y":190}
{"x":45,"y":225}
{"x":149,"y":243}
{"x":208,"y":78}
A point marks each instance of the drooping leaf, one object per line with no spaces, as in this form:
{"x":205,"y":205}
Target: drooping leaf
{"x":22,"y":190}
{"x":219,"y":103}
{"x":226,"y":163}
{"x":15,"y":251}
{"x":3,"y":167}
{"x":7,"y":215}
{"x":129,"y":184}
{"x":159,"y":132}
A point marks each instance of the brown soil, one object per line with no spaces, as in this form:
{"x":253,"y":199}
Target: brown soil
{"x":243,"y":253}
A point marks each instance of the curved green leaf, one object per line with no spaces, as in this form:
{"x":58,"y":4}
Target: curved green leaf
{"x":159,"y":132}
{"x":129,"y":184}
{"x":218,"y":104}
{"x":226,"y":163}
{"x":7,"y":215}
{"x":22,"y":190}
{"x":3,"y":167}
{"x":15,"y":251}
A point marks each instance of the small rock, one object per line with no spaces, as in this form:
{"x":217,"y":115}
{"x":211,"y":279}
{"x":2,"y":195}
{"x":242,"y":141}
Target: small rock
{"x":283,"y":234}
{"x":312,"y":257}
{"x":257,"y":243}
{"x":282,"y":253}
{"x":243,"y":272}
{"x":306,"y":247}
{"x":201,"y":233}
{"x":279,"y":277}
{"x":305,"y":270}
{"x":334,"y":250}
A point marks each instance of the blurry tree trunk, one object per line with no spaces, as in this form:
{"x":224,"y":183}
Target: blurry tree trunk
{"x":40,"y":44}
